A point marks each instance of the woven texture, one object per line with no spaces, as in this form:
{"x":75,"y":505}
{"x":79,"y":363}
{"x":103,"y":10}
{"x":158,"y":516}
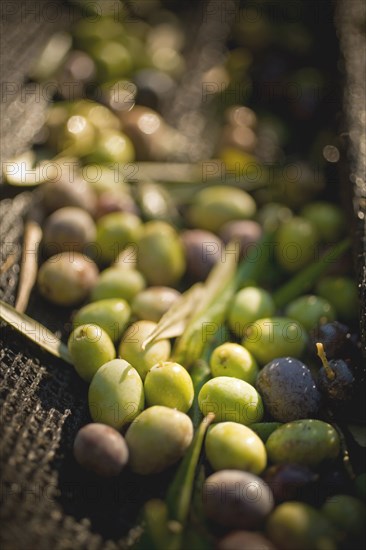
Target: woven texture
{"x":45,"y":496}
{"x":24,"y":29}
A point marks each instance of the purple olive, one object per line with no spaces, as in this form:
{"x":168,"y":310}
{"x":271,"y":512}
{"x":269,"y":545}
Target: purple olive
{"x":203,"y":250}
{"x":338,"y":383}
{"x":101,"y":449}
{"x":115,"y":201}
{"x":246,"y":232}
{"x":68,"y":191}
{"x":241,"y":540}
{"x":290,"y":481}
{"x":236,"y":499}
{"x":69,"y":228}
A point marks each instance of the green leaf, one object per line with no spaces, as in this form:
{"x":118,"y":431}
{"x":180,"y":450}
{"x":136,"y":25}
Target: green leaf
{"x":303,"y":281}
{"x":209,"y":311}
{"x":219,"y":278}
{"x":180,"y":491}
{"x":358,"y":432}
{"x":34,"y":331}
{"x":200,"y":374}
{"x":156,"y":521}
{"x":174,"y":321}
{"x":197,"y":535}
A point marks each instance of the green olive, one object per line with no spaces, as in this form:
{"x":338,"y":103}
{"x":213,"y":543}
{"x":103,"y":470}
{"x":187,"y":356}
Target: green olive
{"x":236,"y":447}
{"x":131,"y":350}
{"x":341,"y":292}
{"x":112,"y":59}
{"x":275,"y":337}
{"x":217,"y":205}
{"x":77,"y":137}
{"x":115,"y":231}
{"x":90,"y":31}
{"x":169,"y":384}
{"x":151,"y":304}
{"x":328,"y":219}
{"x":295,"y":525}
{"x":116,"y":394}
{"x":160,"y":256}
{"x":67,"y":278}
{"x":249,"y":304}
{"x":111,"y":146}
{"x":231,"y":399}
{"x":297,"y":240}
{"x":347,"y":514}
{"x":90,"y":347}
{"x":311,"y":311}
{"x":103,"y":179}
{"x":112,"y":315}
{"x":100,"y":116}
{"x":234,"y":360}
{"x":272,"y":214}
{"x":127,"y":259}
{"x":295,"y":185}
{"x":157,"y":438}
{"x":116,"y":282}
{"x":307,"y":442}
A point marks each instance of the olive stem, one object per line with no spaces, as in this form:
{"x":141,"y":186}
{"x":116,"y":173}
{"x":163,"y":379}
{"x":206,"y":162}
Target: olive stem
{"x":321,"y":354}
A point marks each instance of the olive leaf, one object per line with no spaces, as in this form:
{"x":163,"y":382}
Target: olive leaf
{"x":34,"y":331}
{"x":23,"y":171}
{"x":185,"y":179}
{"x":174,"y":321}
{"x":218,"y":279}
{"x":180,"y":491}
{"x":209,"y":311}
{"x":305,"y":279}
{"x":358,"y":432}
{"x":200,"y":374}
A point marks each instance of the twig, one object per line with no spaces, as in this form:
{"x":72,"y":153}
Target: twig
{"x":9,"y":262}
{"x":29,"y":264}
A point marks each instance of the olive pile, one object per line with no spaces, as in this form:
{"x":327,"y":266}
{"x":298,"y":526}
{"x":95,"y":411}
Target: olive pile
{"x":125,"y":259}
